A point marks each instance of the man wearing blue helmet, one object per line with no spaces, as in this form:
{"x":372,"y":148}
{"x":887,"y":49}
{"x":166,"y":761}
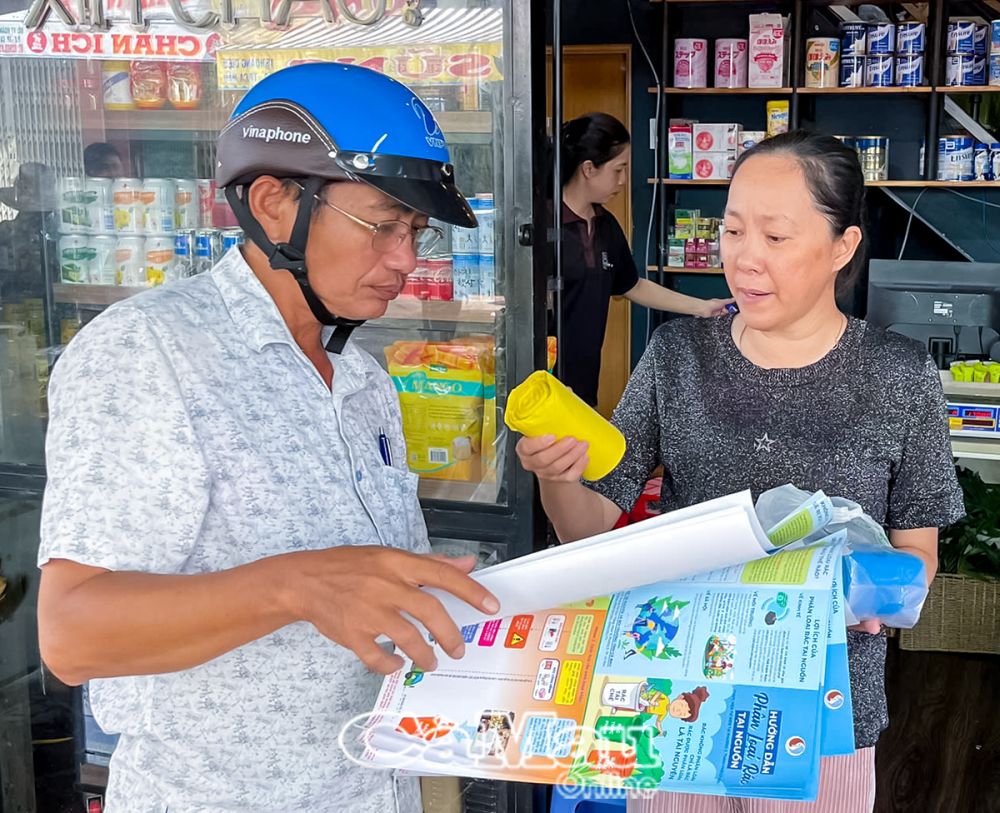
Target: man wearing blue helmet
{"x":229,"y":524}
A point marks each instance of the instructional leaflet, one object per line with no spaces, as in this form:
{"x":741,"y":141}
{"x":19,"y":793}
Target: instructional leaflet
{"x":732,"y":682}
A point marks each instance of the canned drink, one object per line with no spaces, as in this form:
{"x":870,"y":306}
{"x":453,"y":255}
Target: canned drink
{"x":959,"y":69}
{"x":822,"y":62}
{"x":878,"y":71}
{"x":955,"y":158}
{"x":853,"y":40}
{"x":103,"y":269}
{"x":852,"y":71}
{"x":486,"y":215}
{"x":206,"y":203}
{"x":962,"y":37}
{"x":102,"y":212}
{"x":186,"y":204}
{"x":910,"y":70}
{"x":995,"y":160}
{"x":437,"y":274}
{"x":981,"y":40}
{"x":161,"y":265}
{"x":75,"y":259}
{"x":873,"y":153}
{"x":230,"y":238}
{"x":130,"y":261}
{"x":184,"y":252}
{"x":465,"y":276}
{"x":74,"y":206}
{"x":911,"y":38}
{"x":207,"y":249}
{"x":881,"y":39}
{"x":994,"y":78}
{"x":126,"y":201}
{"x":158,"y":206}
{"x":487,"y":276}
{"x":981,"y":163}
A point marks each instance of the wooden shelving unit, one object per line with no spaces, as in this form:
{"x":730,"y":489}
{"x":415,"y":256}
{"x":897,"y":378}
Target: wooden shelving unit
{"x":866,"y":91}
{"x":967,"y":89}
{"x":725,"y":91}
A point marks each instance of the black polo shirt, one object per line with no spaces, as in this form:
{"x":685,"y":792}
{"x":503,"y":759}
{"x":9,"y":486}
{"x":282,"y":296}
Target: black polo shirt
{"x":597,"y":264}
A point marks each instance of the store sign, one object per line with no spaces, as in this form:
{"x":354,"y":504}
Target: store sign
{"x":169,"y":42}
{"x":208,"y":15}
{"x":242,"y":69}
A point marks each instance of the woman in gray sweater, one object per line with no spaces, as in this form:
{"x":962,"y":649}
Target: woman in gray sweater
{"x":790,"y":390}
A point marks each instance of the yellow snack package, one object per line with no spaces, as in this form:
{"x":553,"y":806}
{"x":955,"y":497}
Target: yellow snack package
{"x":543,"y":405}
{"x":440,"y":388}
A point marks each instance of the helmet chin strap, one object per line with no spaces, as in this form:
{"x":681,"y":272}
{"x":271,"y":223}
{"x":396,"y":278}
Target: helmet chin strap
{"x":291,"y":256}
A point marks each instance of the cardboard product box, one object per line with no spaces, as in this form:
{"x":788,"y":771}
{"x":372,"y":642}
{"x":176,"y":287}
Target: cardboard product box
{"x":750,"y":139}
{"x":711,"y":166}
{"x":675,"y":253}
{"x":768,"y":63}
{"x":679,"y":149}
{"x":716,"y":137}
{"x":684,"y":223}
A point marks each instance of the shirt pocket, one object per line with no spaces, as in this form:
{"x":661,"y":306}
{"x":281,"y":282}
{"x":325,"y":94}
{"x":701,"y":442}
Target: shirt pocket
{"x":398,"y":520}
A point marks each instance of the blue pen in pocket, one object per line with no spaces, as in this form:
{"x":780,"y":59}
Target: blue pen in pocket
{"x":384,"y":449}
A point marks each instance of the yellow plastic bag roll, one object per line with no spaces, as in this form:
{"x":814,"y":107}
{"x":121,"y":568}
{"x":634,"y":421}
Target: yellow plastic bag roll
{"x":543,"y":405}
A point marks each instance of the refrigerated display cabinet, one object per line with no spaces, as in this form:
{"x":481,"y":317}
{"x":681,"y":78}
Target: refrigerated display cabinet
{"x":107,"y":138}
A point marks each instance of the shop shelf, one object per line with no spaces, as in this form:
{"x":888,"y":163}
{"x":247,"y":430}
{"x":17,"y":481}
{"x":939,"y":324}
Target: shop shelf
{"x":685,"y":270}
{"x":213,"y":119}
{"x":975,"y":448}
{"x":689,"y":182}
{"x":864,"y":91}
{"x":477,"y":312}
{"x":724,"y":91}
{"x":967,"y":89}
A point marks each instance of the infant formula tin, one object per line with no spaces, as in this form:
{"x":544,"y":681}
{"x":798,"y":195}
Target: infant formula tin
{"x":854,"y":39}
{"x":690,"y":63}
{"x":852,"y":71}
{"x":74,"y":205}
{"x":981,"y":40}
{"x":126,"y":201}
{"x":161,"y":263}
{"x":822,"y":62}
{"x":981,"y":163}
{"x":881,"y":39}
{"x":909,"y":70}
{"x":911,"y":38}
{"x":955,"y":158}
{"x":102,"y":269}
{"x":130,"y":261}
{"x":994,"y":70}
{"x":75,"y":258}
{"x":878,"y":71}
{"x":995,"y":161}
{"x":961,"y":37}
{"x":959,"y":69}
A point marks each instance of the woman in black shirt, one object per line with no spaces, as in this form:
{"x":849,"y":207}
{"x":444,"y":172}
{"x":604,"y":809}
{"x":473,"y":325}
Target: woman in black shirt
{"x":597,"y":261}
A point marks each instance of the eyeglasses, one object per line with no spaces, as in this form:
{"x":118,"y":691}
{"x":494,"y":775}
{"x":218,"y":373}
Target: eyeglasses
{"x":389,"y":235}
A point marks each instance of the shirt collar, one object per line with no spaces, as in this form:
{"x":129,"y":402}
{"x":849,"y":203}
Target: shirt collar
{"x":260,"y":323}
{"x":569,"y":216}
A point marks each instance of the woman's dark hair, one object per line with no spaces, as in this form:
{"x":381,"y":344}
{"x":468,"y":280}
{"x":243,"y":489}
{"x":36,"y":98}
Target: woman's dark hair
{"x":836,"y":184}
{"x":595,"y":137}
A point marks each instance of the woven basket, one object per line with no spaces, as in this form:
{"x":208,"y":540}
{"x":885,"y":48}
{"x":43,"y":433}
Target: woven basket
{"x":961,"y":615}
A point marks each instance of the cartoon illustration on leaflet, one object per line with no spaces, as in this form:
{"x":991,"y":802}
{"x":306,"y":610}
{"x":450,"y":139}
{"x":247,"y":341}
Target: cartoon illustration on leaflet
{"x":624,"y":746}
{"x":720,"y":656}
{"x":654,"y":629}
{"x":775,"y":609}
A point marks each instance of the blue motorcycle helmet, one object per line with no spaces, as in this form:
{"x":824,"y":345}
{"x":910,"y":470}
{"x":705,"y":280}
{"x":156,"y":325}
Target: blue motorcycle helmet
{"x":323,"y":121}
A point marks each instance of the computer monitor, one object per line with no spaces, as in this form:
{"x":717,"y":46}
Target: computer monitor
{"x":953,"y":308}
